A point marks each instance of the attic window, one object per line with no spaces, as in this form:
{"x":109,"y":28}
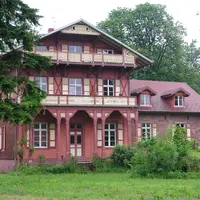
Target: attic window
{"x":144,"y":100}
{"x":87,"y":29}
{"x":73,"y":27}
{"x":178,"y":101}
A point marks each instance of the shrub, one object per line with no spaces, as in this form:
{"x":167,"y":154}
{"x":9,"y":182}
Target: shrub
{"x":121,"y":156}
{"x":41,"y":159}
{"x":167,"y":157}
{"x":154,"y":157}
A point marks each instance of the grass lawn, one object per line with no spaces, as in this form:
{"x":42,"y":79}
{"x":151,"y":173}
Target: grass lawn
{"x":95,"y":186}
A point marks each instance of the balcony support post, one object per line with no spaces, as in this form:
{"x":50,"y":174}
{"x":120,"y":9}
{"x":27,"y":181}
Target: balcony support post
{"x":95,"y":132}
{"x":58,"y":136}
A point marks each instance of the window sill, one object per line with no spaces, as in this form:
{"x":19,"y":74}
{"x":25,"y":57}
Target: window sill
{"x":145,"y":105}
{"x":179,"y":106}
{"x":109,"y":147}
{"x":41,"y":148}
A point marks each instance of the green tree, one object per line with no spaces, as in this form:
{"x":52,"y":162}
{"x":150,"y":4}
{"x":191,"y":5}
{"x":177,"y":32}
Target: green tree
{"x":153,"y":32}
{"x":19,"y":97}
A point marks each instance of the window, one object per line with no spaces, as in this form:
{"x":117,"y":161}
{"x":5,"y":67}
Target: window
{"x":41,"y":83}
{"x":146,"y":131}
{"x":75,"y":86}
{"x":40,"y":135}
{"x":145,"y":100}
{"x":178,"y":101}
{"x":108,"y":87}
{"x":75,"y":49}
{"x":107,"y":51}
{"x":180,"y":125}
{"x":41,"y":48}
{"x":110,"y":135}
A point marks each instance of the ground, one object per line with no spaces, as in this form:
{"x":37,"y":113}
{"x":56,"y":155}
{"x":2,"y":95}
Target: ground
{"x":95,"y":186}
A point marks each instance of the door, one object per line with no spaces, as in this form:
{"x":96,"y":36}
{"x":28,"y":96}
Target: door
{"x":76,"y":139}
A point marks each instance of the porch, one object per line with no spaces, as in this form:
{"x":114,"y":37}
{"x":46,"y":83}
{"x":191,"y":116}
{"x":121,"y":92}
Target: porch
{"x":59,"y":135}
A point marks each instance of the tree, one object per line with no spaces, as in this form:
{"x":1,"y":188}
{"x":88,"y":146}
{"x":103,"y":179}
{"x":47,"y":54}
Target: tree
{"x":19,"y":97}
{"x":153,"y":32}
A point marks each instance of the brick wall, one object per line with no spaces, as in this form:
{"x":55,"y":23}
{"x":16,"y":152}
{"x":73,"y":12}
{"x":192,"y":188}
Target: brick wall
{"x":162,"y":121}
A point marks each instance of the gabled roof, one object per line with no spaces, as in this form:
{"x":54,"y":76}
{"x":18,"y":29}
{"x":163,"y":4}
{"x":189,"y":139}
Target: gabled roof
{"x":159,"y":104}
{"x":142,"y":89}
{"x":172,"y":92}
{"x":82,"y":21}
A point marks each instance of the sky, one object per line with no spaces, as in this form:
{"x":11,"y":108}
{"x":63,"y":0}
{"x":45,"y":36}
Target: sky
{"x":57,"y":13}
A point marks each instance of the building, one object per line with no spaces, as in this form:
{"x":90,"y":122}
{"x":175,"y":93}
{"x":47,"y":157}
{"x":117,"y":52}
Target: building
{"x":161,"y":104}
{"x":88,"y":108}
{"x":91,"y":104}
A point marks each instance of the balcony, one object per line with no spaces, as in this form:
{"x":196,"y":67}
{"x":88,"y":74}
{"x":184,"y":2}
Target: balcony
{"x":89,"y":101}
{"x":89,"y":58}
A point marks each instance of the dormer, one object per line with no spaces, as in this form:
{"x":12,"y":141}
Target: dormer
{"x":143,"y":95}
{"x":176,"y":97}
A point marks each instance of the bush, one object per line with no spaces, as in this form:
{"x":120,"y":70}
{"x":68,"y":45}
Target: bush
{"x":169,"y":157}
{"x":154,"y":157}
{"x":122,"y":155}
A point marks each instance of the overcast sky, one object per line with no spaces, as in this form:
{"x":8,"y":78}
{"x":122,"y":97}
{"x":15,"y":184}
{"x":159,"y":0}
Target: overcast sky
{"x":58,"y":13}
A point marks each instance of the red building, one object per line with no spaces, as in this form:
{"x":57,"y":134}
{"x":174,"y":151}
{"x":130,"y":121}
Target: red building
{"x":89,"y":107}
{"x":161,"y":104}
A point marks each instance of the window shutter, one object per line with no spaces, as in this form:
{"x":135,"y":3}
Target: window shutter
{"x":99,"y":51}
{"x":99,"y":135}
{"x":50,"y":85}
{"x":117,"y":87}
{"x":154,"y":130}
{"x":51,"y":48}
{"x":100,"y":87}
{"x":27,"y":135}
{"x":52,"y":135}
{"x":64,"y":47}
{"x":31,"y":78}
{"x":139,"y":132}
{"x":86,"y":49}
{"x":2,"y":138}
{"x":65,"y":86}
{"x":188,"y":132}
{"x":120,"y":134}
{"x":86,"y":86}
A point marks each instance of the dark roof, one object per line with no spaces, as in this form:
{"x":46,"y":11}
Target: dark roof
{"x":145,"y":88}
{"x":191,"y":101}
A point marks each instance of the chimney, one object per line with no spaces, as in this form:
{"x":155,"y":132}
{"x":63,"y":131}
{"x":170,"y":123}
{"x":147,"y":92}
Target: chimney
{"x":50,"y":30}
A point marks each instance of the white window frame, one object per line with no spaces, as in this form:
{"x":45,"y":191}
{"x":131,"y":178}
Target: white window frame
{"x":146,"y":127}
{"x":109,"y":86}
{"x":75,"y":85}
{"x":179,"y":100}
{"x":40,"y":83}
{"x":40,"y":135}
{"x":145,"y":100}
{"x":109,"y":129}
{"x":180,"y":124}
{"x":106,"y":51}
{"x":41,"y":48}
{"x":75,"y":48}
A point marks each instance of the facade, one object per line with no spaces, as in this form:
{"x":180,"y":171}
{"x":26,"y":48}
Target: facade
{"x":88,"y":108}
{"x":161,"y":104}
{"x":91,"y":104}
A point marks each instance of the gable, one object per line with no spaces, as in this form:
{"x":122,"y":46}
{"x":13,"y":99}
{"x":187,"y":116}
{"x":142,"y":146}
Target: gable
{"x":80,"y":29}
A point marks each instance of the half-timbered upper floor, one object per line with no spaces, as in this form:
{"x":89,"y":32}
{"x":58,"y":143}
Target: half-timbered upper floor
{"x":91,"y":68}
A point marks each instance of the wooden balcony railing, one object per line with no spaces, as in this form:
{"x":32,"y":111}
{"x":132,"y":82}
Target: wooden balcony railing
{"x":52,"y":100}
{"x":88,"y":57}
